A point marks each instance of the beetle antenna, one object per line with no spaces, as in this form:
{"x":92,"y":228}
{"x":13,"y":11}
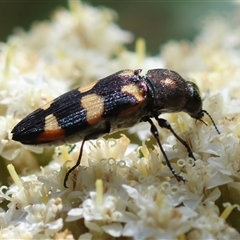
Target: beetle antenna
{"x":204,"y":111}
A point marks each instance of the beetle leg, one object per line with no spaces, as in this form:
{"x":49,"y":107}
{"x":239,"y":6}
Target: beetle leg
{"x":163,"y":123}
{"x":154,"y":132}
{"x":88,"y":137}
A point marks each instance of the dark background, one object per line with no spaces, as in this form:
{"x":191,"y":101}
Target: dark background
{"x":156,"y":21}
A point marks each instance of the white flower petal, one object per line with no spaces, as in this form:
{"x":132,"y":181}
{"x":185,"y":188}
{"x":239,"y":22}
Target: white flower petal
{"x":74,"y":214}
{"x":56,"y":225}
{"x":93,"y":226}
{"x":132,"y":192}
{"x":218,"y":179}
{"x":113,"y":229}
{"x":213,"y":196}
{"x":85,"y":236}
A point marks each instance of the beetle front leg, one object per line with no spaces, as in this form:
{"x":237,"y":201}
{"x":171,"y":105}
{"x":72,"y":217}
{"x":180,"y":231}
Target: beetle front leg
{"x":163,"y":123}
{"x":154,"y":132}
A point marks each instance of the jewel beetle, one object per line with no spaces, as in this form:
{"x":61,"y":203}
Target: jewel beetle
{"x":116,"y":102}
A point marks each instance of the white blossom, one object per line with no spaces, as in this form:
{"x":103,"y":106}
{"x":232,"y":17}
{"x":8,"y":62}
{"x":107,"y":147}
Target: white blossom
{"x":123,"y":187}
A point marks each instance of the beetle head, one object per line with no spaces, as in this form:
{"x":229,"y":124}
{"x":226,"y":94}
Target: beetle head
{"x":193,"y":104}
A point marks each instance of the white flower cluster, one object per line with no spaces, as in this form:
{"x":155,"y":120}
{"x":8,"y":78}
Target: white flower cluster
{"x":120,"y":190}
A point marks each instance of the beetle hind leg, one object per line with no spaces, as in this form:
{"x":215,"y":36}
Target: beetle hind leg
{"x":94,"y":135}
